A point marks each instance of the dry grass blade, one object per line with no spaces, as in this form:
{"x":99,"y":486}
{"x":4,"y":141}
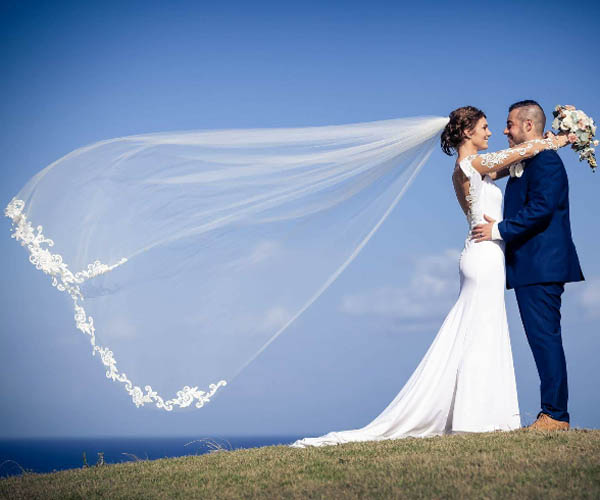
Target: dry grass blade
{"x":212,"y":444}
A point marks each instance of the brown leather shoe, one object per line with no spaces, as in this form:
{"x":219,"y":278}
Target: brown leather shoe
{"x":547,"y":423}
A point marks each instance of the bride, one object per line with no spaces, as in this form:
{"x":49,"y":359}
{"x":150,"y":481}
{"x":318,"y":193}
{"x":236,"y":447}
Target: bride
{"x":466,"y":381}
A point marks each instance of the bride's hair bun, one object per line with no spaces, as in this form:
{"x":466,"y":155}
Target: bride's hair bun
{"x":461,"y":120}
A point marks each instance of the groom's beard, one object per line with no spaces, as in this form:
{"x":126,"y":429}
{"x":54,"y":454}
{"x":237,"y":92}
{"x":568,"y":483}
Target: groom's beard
{"x":512,"y":142}
{"x":515,"y":140}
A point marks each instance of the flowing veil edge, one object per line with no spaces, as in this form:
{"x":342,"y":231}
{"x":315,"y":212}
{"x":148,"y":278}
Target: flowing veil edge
{"x":229,"y":187}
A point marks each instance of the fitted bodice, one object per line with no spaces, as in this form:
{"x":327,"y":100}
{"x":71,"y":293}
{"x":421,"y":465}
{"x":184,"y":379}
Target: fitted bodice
{"x":484,"y":196}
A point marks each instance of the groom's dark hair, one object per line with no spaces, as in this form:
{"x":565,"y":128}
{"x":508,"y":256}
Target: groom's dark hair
{"x":531,"y":110}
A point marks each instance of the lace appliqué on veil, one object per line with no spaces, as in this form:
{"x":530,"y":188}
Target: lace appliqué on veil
{"x":66,"y":281}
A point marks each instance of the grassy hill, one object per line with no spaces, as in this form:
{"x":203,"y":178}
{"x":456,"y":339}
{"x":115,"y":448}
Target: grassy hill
{"x":496,"y":465}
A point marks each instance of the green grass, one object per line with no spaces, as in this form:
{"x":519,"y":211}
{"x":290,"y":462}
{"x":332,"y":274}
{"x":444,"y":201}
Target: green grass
{"x":496,"y":465}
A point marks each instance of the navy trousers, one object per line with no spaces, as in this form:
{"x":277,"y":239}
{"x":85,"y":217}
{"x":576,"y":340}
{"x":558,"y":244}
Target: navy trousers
{"x":539,"y":306}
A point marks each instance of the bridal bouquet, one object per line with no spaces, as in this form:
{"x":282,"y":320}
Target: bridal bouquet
{"x":580,"y":129}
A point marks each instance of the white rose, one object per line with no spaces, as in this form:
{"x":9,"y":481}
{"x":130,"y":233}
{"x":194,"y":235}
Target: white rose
{"x":516,"y":170}
{"x":555,"y":124}
{"x":568,"y":122}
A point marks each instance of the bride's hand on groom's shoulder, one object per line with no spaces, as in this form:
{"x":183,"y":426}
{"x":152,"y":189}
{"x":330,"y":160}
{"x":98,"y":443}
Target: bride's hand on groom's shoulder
{"x":561,"y":139}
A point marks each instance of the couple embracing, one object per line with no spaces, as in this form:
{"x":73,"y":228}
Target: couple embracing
{"x":466,"y":380}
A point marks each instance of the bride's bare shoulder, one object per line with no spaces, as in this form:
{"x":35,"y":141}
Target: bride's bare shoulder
{"x":458,"y":174}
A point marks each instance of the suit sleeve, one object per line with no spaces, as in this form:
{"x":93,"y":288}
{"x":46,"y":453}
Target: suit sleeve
{"x":546,"y":182}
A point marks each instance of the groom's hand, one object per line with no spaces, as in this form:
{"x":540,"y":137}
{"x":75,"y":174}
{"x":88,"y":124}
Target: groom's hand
{"x":483,"y":232}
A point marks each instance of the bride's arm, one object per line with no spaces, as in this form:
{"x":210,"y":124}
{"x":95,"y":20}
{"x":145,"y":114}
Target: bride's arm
{"x":499,"y":174}
{"x":494,"y":162}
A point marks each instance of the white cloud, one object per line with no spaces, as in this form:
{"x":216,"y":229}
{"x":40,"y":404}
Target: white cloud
{"x":119,"y":327}
{"x":274,"y":319}
{"x":431,"y":291}
{"x":589,"y":297}
{"x":264,"y":250}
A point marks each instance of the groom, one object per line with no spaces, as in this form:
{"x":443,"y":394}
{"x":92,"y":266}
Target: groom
{"x":540,"y":256}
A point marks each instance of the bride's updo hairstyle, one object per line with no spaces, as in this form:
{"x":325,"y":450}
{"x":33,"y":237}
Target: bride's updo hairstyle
{"x":461,"y":120}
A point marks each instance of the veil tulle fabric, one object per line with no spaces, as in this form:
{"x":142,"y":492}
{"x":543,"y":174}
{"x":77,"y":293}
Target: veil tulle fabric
{"x":188,"y":253}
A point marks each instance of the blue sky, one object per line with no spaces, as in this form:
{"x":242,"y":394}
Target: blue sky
{"x":78,"y":72}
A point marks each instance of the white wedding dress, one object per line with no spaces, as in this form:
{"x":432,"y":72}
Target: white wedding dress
{"x":466,"y":381}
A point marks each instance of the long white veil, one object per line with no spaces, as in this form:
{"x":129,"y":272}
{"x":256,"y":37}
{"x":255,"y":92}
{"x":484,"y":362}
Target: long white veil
{"x":188,"y":253}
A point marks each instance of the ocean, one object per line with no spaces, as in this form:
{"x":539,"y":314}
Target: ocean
{"x":53,"y":454}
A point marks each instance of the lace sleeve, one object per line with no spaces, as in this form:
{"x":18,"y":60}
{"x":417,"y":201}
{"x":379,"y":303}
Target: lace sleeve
{"x":498,"y":160}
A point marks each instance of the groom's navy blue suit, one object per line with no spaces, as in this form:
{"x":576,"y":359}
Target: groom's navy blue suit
{"x":540,"y":259}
